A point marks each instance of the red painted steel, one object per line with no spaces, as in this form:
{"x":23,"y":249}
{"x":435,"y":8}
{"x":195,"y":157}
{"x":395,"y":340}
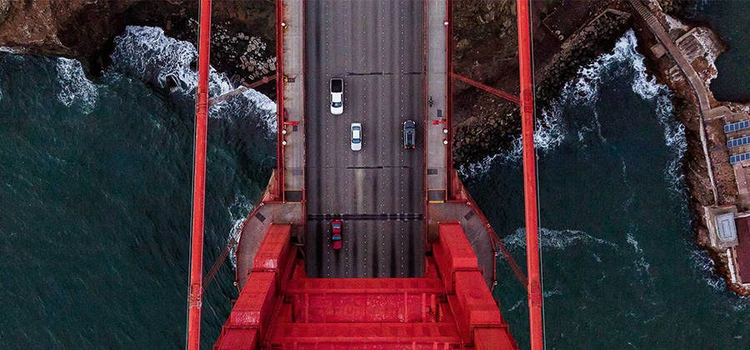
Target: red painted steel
{"x":195,"y":297}
{"x":529,"y":176}
{"x":238,"y":338}
{"x":256,"y":305}
{"x":260,"y":82}
{"x":276,"y":247}
{"x":282,"y":308}
{"x":453,"y":253}
{"x":280,"y":112}
{"x":487,"y":88}
{"x":471,"y":303}
{"x":219,"y":262}
{"x":364,"y":285}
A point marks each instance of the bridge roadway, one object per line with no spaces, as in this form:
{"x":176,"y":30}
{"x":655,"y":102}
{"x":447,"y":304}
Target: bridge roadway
{"x":377,"y":48}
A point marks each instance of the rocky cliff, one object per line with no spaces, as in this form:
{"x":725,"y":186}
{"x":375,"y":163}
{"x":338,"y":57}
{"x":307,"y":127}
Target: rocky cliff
{"x":85,"y":29}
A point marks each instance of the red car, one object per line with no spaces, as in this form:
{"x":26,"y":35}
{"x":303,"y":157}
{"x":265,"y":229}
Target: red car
{"x":336,"y":234}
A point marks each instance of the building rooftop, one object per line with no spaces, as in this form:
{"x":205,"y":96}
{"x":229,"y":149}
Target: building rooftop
{"x":743,"y":248}
{"x":721,"y":226}
{"x":725,"y":228}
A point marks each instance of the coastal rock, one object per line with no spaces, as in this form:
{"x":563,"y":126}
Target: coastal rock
{"x":85,"y":29}
{"x":488,"y":125}
{"x":4,"y":7}
{"x":700,"y":47}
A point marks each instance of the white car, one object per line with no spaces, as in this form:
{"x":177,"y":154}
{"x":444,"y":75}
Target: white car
{"x":337,"y":96}
{"x":356,"y":136}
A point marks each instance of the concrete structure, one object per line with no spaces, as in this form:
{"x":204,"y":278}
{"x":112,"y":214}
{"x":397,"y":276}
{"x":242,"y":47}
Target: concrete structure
{"x":721,"y":228}
{"x":729,"y":233}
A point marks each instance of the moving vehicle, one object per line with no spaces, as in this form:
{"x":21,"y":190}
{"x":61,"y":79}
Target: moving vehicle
{"x":410,"y":130}
{"x":337,"y":96}
{"x":356,"y":136}
{"x":336,"y":242}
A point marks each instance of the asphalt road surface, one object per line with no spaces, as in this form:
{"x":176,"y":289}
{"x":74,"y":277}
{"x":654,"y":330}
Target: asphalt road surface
{"x":377,"y":48}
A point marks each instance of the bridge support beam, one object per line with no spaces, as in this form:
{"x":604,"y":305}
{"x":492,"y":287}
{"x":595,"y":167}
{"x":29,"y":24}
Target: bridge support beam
{"x":195,"y":297}
{"x":536,"y":326}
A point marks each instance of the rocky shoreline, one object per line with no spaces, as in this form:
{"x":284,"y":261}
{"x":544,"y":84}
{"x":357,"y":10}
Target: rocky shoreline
{"x":707,"y":46}
{"x":243,"y":32}
{"x":487,"y":125}
{"x":565,"y":38}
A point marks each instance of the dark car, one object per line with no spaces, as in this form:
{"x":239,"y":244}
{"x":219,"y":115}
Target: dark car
{"x":410,"y":131}
{"x":336,"y":234}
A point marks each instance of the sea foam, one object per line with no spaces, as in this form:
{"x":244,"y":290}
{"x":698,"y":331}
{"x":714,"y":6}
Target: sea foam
{"x":583,"y":91}
{"x":554,"y":239}
{"x":147,"y":54}
{"x":73,"y":88}
{"x":548,"y":134}
{"x":238,"y":212}
{"x":640,"y":263}
{"x":705,"y":265}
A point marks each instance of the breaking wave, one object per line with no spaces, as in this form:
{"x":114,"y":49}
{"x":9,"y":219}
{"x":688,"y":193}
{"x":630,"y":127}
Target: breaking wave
{"x":73,"y":88}
{"x":549,"y":133}
{"x":674,"y":132}
{"x":238,"y":212}
{"x":250,"y":102}
{"x":13,"y":50}
{"x":584,"y":91}
{"x":554,"y":239}
{"x":147,"y":54}
{"x":706,"y":269}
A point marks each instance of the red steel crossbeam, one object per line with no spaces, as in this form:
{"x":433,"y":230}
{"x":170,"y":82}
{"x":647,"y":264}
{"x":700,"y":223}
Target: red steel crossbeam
{"x":487,"y":88}
{"x":261,"y":82}
{"x":195,"y":298}
{"x":536,"y":327}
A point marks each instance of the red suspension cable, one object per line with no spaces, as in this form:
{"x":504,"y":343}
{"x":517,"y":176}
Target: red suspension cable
{"x":195,"y":298}
{"x":529,"y":177}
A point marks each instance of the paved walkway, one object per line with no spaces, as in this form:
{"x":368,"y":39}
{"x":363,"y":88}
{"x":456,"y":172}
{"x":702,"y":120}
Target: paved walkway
{"x":437,"y":89}
{"x":294,"y":98}
{"x":692,"y":76}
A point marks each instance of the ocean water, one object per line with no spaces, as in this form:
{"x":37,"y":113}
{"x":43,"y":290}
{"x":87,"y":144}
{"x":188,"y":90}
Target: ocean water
{"x":96,"y":196}
{"x":620,"y":269}
{"x":730,"y":19}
